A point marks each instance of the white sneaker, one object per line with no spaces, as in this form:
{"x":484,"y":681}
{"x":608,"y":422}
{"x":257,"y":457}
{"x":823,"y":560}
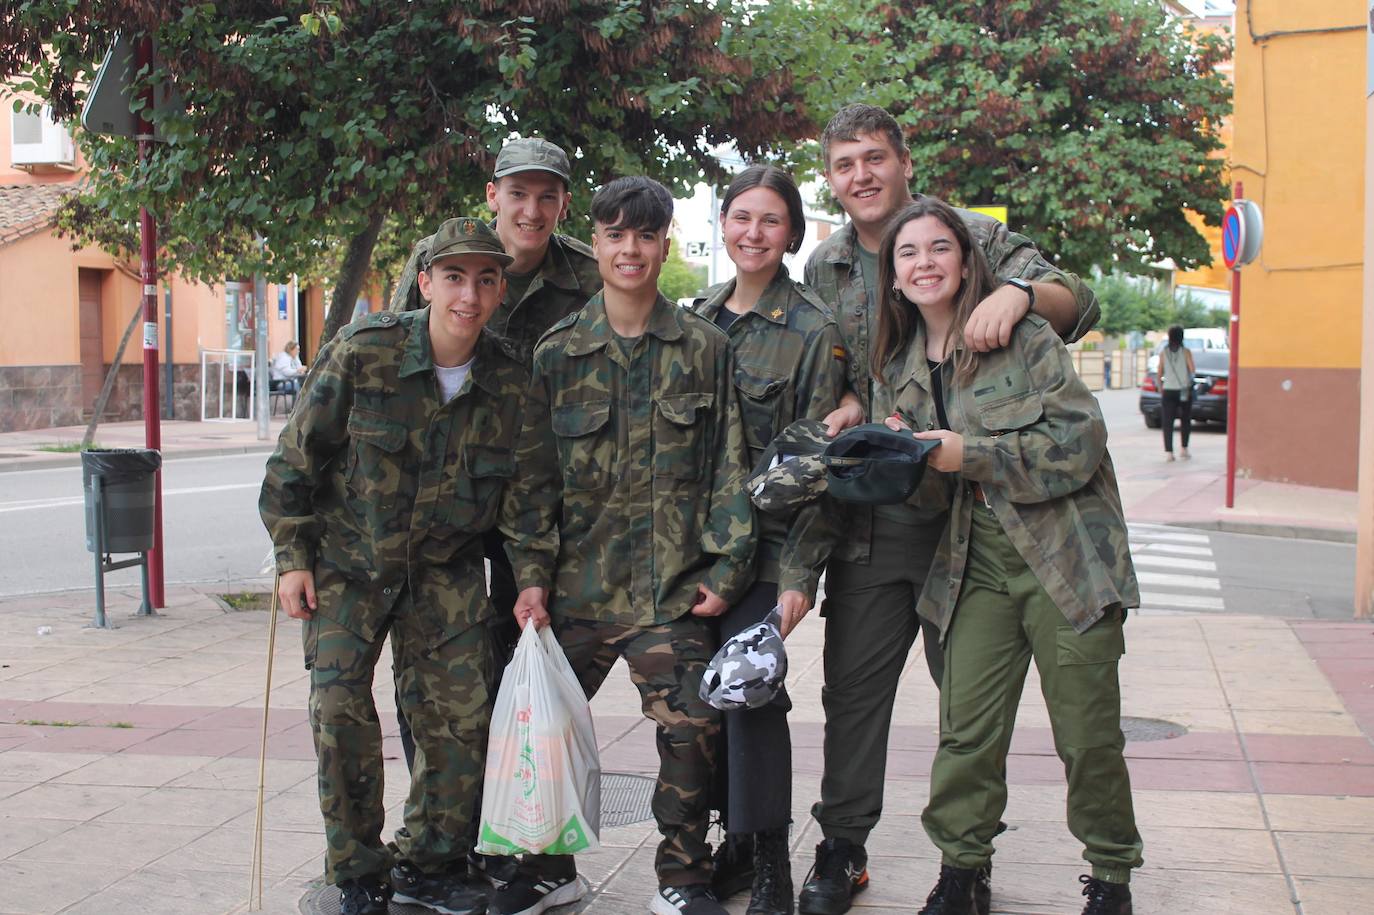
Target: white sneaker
{"x":686,"y":900}
{"x":530,"y":895}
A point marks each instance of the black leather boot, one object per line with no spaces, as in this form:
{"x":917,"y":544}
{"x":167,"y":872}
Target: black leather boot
{"x":953,"y":892}
{"x":1106,"y":898}
{"x":772,"y":892}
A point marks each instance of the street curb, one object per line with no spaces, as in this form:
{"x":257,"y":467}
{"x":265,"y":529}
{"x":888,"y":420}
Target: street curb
{"x":1265,"y":529}
{"x":73,"y":459}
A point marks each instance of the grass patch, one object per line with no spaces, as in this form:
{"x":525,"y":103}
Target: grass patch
{"x":40,"y":723}
{"x":247,"y":600}
{"x":66,"y":447}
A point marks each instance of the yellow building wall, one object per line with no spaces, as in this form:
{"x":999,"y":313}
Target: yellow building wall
{"x":1299,"y":151}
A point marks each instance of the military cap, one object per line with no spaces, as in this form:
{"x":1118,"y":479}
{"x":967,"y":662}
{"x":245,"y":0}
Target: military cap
{"x":466,"y":235}
{"x":875,"y":465}
{"x":870,"y":464}
{"x":749,"y":669}
{"x":530,"y":154}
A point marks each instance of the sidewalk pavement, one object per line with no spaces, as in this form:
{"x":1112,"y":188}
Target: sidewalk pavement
{"x":128,"y":765}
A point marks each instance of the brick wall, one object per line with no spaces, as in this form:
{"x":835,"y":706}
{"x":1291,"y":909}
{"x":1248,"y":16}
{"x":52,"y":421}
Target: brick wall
{"x":45,"y":396}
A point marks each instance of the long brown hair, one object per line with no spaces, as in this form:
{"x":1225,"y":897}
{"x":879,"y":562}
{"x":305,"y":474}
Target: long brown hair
{"x":897,"y":316}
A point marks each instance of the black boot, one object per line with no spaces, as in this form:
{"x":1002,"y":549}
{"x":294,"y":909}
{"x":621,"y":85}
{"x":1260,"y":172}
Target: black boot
{"x":772,"y":892}
{"x":840,"y":871}
{"x":953,"y":892}
{"x":982,"y":890}
{"x":732,"y":865}
{"x":1106,"y":898}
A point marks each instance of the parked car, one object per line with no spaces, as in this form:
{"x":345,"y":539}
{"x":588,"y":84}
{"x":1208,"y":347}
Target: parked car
{"x":1211,"y":380}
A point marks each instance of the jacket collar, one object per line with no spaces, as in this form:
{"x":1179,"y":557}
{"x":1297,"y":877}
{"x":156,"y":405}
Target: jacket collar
{"x":772,"y":305}
{"x":555,"y":268}
{"x":842,"y":248}
{"x":418,"y":356}
{"x":592,"y":330}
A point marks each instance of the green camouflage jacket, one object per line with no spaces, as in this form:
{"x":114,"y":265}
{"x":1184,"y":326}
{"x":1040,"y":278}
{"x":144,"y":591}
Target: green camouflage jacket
{"x":834,"y":271}
{"x":1035,"y":440}
{"x":566,"y":279}
{"x":630,"y":481}
{"x":377,"y":485}
{"x":789,"y":365}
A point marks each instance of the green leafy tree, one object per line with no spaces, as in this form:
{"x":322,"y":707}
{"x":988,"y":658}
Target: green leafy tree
{"x":310,"y":123}
{"x":1092,"y":120}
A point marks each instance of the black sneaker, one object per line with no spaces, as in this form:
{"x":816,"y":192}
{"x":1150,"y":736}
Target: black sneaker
{"x":1106,"y":898}
{"x":363,"y":896}
{"x":732,"y":865}
{"x":530,"y":894}
{"x":840,"y":871}
{"x":953,"y":892}
{"x":686,"y":900}
{"x":448,"y":893}
{"x":497,"y":870}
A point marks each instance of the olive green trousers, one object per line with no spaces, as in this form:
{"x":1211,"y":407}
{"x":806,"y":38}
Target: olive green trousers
{"x":1003,"y":619}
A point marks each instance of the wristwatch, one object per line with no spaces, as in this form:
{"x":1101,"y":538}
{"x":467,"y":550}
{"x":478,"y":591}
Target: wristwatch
{"x":1027,"y":288}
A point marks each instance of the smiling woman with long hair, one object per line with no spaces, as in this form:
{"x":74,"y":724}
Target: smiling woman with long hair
{"x":1034,"y":563}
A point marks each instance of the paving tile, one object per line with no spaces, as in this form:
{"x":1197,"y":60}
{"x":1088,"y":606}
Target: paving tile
{"x":1300,"y":778}
{"x":1163,"y":890}
{"x":28,"y":766}
{"x":1309,"y":749}
{"x":88,"y":739}
{"x":116,"y":846}
{"x":19,"y":833}
{"x":1303,"y":700}
{"x":1190,"y":775}
{"x":167,"y":888}
{"x":69,"y":802}
{"x":1197,"y":847}
{"x":112,"y":693}
{"x":1335,"y":895}
{"x":183,"y":805}
{"x":1315,"y":814}
{"x":296,"y":811}
{"x":196,"y":743}
{"x":242,"y":774}
{"x":1360,"y":648}
{"x":130,"y":769}
{"x":232,"y":848}
{"x":1326,"y":854}
{"x":21,"y":688}
{"x":1337,"y":724}
{"x":31,"y":889}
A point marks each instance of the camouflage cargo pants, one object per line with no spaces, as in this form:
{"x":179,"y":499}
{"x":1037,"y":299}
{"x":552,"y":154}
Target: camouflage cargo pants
{"x":444,"y":692}
{"x":666,"y":664}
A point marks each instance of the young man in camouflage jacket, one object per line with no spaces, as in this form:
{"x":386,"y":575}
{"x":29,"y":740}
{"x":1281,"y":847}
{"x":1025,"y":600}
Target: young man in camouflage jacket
{"x":387,"y":474}
{"x":630,"y":525}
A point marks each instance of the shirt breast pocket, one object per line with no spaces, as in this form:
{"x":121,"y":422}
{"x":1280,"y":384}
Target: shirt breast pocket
{"x":681,"y":425}
{"x":1011,"y":413}
{"x":375,"y":444}
{"x":761,"y":400}
{"x":486,"y":471}
{"x":585,"y":451}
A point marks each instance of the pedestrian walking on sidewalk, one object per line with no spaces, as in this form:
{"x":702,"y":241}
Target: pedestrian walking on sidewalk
{"x":789,"y":365}
{"x":387,"y":475}
{"x":1034,"y":563}
{"x":1176,"y":392}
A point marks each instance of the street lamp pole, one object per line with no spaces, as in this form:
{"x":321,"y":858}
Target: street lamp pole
{"x":152,"y":423}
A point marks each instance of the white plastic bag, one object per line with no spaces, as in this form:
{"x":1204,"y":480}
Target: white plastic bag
{"x":543,"y":777}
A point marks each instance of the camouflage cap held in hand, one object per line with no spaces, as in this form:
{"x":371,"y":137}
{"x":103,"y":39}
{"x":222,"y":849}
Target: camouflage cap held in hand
{"x":791,"y":472}
{"x":874,"y":465}
{"x":530,"y":154}
{"x":749,"y":669}
{"x":466,"y":235}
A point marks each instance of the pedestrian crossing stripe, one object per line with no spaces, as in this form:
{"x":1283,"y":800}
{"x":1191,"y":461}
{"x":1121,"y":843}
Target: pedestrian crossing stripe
{"x":1174,"y":562}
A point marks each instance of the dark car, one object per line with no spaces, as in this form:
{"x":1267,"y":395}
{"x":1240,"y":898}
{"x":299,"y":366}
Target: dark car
{"x":1211,"y":371}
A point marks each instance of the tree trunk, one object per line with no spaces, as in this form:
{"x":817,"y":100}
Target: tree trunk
{"x":349,"y":283}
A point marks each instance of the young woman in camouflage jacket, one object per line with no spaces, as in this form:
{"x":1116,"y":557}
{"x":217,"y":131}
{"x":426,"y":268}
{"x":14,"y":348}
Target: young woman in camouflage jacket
{"x":1034,"y":563}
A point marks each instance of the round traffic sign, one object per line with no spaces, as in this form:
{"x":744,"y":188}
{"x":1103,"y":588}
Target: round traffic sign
{"x":1232,"y":237}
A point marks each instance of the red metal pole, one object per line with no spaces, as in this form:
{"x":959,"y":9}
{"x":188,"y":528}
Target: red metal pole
{"x":152,"y":423}
{"x":1233,"y":377}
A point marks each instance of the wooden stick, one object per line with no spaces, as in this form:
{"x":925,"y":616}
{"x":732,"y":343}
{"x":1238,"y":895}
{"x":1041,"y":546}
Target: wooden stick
{"x":255,"y":870}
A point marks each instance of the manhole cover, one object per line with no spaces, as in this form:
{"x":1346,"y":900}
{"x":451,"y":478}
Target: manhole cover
{"x":1142,"y":730}
{"x":625,"y":799}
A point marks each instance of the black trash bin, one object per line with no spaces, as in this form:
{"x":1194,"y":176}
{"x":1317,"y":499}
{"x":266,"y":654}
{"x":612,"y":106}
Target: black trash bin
{"x":127,"y":496}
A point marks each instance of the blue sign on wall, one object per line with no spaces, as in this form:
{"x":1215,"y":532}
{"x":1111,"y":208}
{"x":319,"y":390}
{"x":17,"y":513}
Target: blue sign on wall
{"x":281,"y":304}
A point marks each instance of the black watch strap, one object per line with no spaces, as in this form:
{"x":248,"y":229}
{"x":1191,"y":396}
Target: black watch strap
{"x":1027,"y":288}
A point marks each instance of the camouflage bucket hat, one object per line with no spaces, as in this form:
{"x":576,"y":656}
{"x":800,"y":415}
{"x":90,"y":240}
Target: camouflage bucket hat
{"x":749,"y":669}
{"x":532,"y":154}
{"x":466,"y":235}
{"x":874,"y":465}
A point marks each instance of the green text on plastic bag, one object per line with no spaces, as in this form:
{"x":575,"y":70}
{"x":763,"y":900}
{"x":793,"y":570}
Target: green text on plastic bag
{"x":572,"y":838}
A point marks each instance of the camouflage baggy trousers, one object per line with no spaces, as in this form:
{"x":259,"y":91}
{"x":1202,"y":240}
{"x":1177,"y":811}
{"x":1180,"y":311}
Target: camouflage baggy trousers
{"x":666,"y":664}
{"x":444,"y":692}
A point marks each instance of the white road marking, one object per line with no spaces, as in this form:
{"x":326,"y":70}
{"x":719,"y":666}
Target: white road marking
{"x":1197,"y":582}
{"x":1165,"y":599}
{"x":34,"y":504}
{"x":1171,"y":536}
{"x":1172,"y":567}
{"x":1173,"y":562}
{"x":1171,"y":548}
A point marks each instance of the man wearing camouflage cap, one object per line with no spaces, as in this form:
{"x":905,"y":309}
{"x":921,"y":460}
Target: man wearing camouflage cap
{"x":388,"y":472}
{"x":550,"y":276}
